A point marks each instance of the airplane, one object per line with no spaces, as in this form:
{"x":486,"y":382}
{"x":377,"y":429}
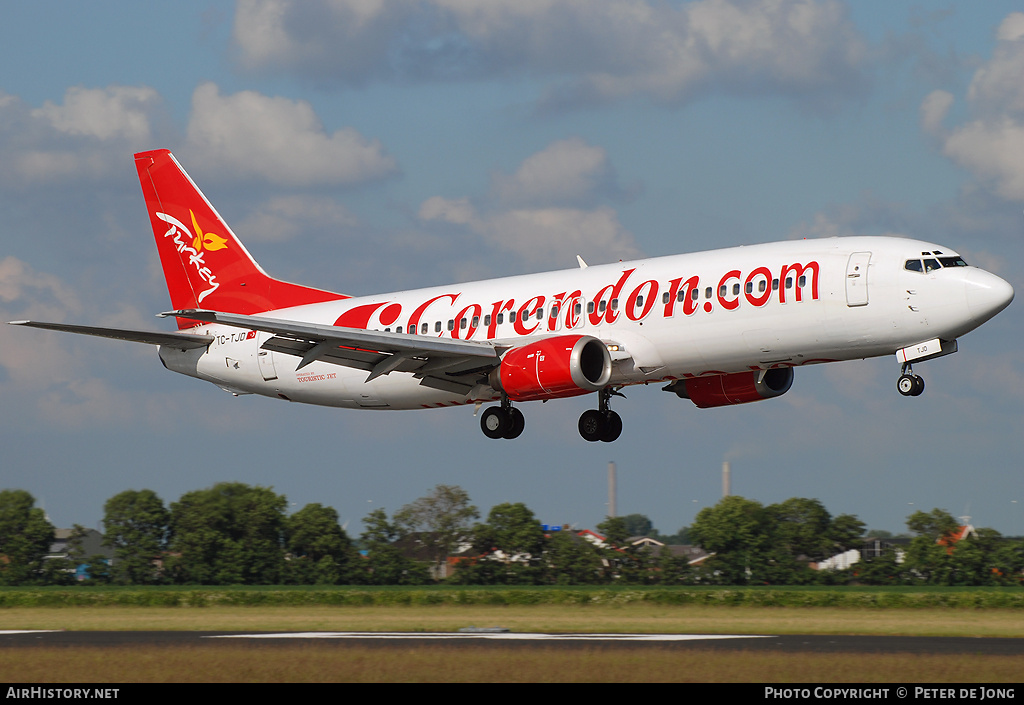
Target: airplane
{"x":719,"y":328}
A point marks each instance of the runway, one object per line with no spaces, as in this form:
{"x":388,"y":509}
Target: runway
{"x":390,"y":640}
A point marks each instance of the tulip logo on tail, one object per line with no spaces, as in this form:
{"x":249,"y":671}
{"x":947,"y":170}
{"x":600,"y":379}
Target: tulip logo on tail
{"x":195,"y":245}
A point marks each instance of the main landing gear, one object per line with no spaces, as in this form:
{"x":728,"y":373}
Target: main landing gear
{"x":601,"y":424}
{"x":503,"y":421}
{"x":909,"y":384}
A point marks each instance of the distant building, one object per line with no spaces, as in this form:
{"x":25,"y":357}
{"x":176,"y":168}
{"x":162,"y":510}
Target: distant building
{"x":91,"y":545}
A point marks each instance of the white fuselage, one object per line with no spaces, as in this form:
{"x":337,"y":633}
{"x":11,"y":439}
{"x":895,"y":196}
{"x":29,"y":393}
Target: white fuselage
{"x":717,"y":312}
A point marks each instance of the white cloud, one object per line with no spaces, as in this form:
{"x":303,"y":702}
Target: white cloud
{"x":991,"y":143}
{"x":90,"y":134}
{"x":568,"y":170}
{"x":283,"y":141}
{"x":933,"y":111}
{"x":449,"y":210}
{"x":533,"y":212}
{"x":592,"y":49}
{"x":554,"y":236}
{"x":103,"y":113}
{"x":283,"y":217}
{"x":43,"y":373}
{"x":994,"y":151}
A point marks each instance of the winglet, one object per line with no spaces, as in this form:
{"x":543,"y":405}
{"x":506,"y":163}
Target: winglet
{"x":583,"y":265}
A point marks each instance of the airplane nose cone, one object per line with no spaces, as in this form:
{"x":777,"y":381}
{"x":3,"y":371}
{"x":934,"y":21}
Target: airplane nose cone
{"x":987,"y":294}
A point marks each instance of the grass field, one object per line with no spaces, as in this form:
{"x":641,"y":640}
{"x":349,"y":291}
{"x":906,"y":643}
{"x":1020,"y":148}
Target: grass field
{"x":313,"y":663}
{"x":351,"y":663}
{"x":698,"y":619}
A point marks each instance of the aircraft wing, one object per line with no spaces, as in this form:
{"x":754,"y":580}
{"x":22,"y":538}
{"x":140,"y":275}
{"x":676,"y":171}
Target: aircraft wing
{"x":182,"y":341}
{"x":441,"y":363}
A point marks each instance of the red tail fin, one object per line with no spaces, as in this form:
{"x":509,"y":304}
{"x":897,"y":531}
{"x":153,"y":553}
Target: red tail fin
{"x":204,"y":264}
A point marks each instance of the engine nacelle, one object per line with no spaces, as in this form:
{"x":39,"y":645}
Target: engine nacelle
{"x":566,"y":366}
{"x":738,"y":388}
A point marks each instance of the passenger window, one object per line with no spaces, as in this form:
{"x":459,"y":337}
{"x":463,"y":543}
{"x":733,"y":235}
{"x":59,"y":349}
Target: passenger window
{"x":750,"y":287}
{"x":615,"y":304}
{"x":639,"y":301}
{"x":681,"y":296}
{"x":602,"y":306}
{"x":476,"y":321}
{"x":762,"y":285}
{"x":695,"y":294}
{"x":577,"y":309}
{"x":735,"y":289}
{"x":398,"y":329}
{"x":540,"y":313}
{"x":451,"y":324}
{"x":437,"y":327}
{"x":511,"y":316}
{"x":665,"y":298}
{"x":462,"y":323}
{"x":501,"y":318}
{"x":789,"y":282}
{"x":775,"y":284}
{"x":487,"y":320}
{"x":723,"y":290}
{"x":554,"y":311}
{"x":590,"y":307}
{"x":803,"y":281}
{"x":424,"y":328}
{"x":707,"y":293}
{"x":931,"y":265}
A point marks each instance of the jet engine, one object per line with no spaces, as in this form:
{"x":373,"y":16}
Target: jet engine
{"x":564,"y":366}
{"x":738,"y":388}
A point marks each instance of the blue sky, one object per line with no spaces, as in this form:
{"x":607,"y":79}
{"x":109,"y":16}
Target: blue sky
{"x":334,"y":136}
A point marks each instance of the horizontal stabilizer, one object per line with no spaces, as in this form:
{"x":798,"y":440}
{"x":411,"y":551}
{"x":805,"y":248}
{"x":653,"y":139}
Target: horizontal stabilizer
{"x":182,"y":341}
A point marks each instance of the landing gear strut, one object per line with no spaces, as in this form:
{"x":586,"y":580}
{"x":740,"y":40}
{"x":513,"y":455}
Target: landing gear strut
{"x":909,"y":384}
{"x":601,"y":424}
{"x":503,"y":421}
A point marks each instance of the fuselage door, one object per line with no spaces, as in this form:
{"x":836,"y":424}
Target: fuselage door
{"x":857,"y":279}
{"x":265,"y":358}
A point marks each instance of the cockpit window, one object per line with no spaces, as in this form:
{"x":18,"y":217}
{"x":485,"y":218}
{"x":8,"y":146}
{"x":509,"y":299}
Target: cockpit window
{"x":930,"y":265}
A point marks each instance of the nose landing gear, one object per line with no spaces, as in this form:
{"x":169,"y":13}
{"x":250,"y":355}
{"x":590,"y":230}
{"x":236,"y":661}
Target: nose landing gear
{"x":909,"y":384}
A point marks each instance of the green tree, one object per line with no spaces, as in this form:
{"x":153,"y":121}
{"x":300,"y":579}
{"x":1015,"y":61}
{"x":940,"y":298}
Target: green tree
{"x":508,"y":548}
{"x":801,"y":527}
{"x":25,"y":538}
{"x":443,"y":518}
{"x":135,"y":526}
{"x":885,"y":569}
{"x":385,"y":564}
{"x":228,"y":534}
{"x":571,"y":560}
{"x":929,"y":556}
{"x":737,"y":531}
{"x":846,"y":531}
{"x":935,"y":524}
{"x":638,"y":525}
{"x":320,"y":551}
